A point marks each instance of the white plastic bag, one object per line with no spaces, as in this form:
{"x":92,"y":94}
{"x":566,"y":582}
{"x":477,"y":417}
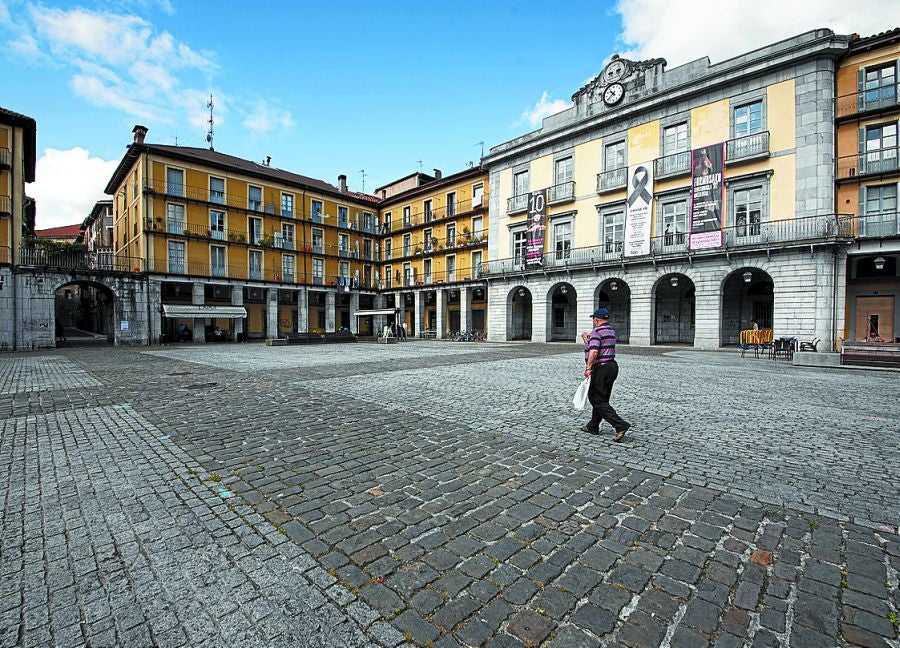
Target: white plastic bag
{"x":580,"y":399}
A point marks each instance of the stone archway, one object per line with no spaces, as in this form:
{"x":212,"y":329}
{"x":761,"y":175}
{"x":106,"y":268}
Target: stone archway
{"x":562,"y":313}
{"x":674,"y":310}
{"x":615,"y":295}
{"x":518,"y":318}
{"x":83,"y":314}
{"x":747,"y":294}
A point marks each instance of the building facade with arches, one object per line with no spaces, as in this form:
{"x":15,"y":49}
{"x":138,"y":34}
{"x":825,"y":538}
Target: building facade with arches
{"x":689,"y":201}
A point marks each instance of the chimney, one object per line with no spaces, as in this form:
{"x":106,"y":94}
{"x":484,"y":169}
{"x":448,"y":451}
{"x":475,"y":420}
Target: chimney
{"x":437,"y":174}
{"x":342,"y":183}
{"x":140,"y":132}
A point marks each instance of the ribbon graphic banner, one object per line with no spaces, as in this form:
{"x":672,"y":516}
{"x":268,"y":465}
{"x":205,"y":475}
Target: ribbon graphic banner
{"x":707,"y":185}
{"x":537,"y":226}
{"x":637,"y":218}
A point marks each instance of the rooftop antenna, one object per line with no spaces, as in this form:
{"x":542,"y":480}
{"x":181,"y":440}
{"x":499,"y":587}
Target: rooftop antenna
{"x":362,"y":173}
{"x":481,"y":143}
{"x":209,"y":133}
{"x":419,"y":162}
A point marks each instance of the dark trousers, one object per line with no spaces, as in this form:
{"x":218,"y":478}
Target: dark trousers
{"x":602,"y":378}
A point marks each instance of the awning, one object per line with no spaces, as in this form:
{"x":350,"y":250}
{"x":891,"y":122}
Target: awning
{"x":222,"y":312}
{"x":375,"y":311}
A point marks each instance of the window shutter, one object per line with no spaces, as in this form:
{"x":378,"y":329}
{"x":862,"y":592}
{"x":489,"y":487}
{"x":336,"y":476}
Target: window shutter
{"x":860,"y":86}
{"x":862,"y":202}
{"x":861,"y":167}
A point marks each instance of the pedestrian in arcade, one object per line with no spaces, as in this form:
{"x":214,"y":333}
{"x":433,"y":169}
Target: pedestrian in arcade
{"x":600,"y":366}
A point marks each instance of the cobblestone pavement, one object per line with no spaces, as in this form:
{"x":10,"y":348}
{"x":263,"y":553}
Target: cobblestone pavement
{"x":439,"y":495}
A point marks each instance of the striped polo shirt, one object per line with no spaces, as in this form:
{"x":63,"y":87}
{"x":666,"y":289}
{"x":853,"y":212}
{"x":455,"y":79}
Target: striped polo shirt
{"x":602,"y":338}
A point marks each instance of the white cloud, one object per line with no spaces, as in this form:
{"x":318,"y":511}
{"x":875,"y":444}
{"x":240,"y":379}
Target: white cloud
{"x":543,"y":108}
{"x":67,"y":184}
{"x":682,"y":30}
{"x":263,"y":118}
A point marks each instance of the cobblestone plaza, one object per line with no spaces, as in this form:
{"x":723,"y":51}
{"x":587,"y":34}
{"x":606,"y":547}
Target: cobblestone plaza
{"x":433,"y":493}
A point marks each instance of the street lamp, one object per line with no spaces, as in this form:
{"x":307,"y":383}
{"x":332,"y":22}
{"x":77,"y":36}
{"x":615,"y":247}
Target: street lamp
{"x":613,"y":285}
{"x":674,"y":281}
{"x":563,"y":290}
{"x":748,"y":276}
{"x":879,"y":263}
{"x":521,"y":292}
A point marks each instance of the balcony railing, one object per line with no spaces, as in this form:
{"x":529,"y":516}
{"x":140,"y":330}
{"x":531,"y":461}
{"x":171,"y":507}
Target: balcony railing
{"x":435,"y":278}
{"x":880,"y":161}
{"x":876,"y":99}
{"x":612,"y":180}
{"x":517,"y":204}
{"x":5,"y":254}
{"x":5,"y":206}
{"x":812,"y":229}
{"x":203,"y":194}
{"x":673,"y":165}
{"x":747,"y":147}
{"x":5,"y":158}
{"x":78,"y":260}
{"x":560,"y":193}
{"x":880,"y":225}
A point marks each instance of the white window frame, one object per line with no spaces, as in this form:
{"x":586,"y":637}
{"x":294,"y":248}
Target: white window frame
{"x":287,"y":204}
{"x":218,"y":223}
{"x":251,"y":220}
{"x":175,"y":188}
{"x":213,"y":249}
{"x":216,"y":196}
{"x":176,"y":268}
{"x":250,"y":256}
{"x":255,"y":204}
{"x":288,"y":262}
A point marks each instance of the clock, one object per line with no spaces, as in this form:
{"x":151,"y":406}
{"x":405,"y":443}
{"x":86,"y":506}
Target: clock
{"x":613,"y":94}
{"x":615,"y":70}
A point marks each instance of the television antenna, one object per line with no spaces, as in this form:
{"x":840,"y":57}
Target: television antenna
{"x":481,"y":143}
{"x":362,"y":173}
{"x":209,"y":133}
{"x":419,"y":162}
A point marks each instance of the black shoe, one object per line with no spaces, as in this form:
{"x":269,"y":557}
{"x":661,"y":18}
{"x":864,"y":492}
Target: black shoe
{"x":585,"y":428}
{"x":620,"y":434}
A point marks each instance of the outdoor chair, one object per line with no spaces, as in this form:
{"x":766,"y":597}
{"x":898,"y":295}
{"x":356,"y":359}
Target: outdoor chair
{"x":811,"y":345}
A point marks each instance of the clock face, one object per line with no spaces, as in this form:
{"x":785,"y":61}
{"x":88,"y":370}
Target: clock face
{"x":615,"y":71}
{"x":613,"y":94}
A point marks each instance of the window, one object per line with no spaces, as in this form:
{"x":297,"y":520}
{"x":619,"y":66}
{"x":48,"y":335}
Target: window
{"x":477,"y":195}
{"x":881,"y":148}
{"x":881,"y":199}
{"x":316,"y":211}
{"x":562,"y":239}
{"x":476,"y":264}
{"x":613,"y":232}
{"x":427,"y":270}
{"x":217,"y":190}
{"x":748,"y":119}
{"x":176,"y":257}
{"x":254,"y":198}
{"x":217,"y":225}
{"x":614,"y":156}
{"x":175,"y":219}
{"x":287,"y":205}
{"x":254,"y":230}
{"x":318,"y":241}
{"x":748,"y":211}
{"x":256,"y":259}
{"x":427,"y":211}
{"x":388,"y":223}
{"x":388,"y":244}
{"x":288,"y":263}
{"x":407,"y":274}
{"x":520,"y":183}
{"x":477,"y":226}
{"x":387,"y":277}
{"x":367,"y":249}
{"x":175,"y":182}
{"x":427,"y":240}
{"x":451,"y":204}
{"x":344,"y":268}
{"x":287,"y":236}
{"x":562,"y":172}
{"x":674,"y":222}
{"x":407,"y":241}
{"x":217,"y":260}
{"x":406,"y":217}
{"x":675,"y":139}
{"x":343,"y":244}
{"x":451,"y":234}
{"x":343,"y":220}
{"x":880,"y":85}
{"x":318,"y":269}
{"x":520,"y":243}
{"x":451,"y":268}
{"x":368,"y":222}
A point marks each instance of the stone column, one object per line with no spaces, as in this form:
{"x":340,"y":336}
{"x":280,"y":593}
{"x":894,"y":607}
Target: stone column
{"x":440,"y":299}
{"x":272,"y":312}
{"x":539,"y":314}
{"x":303,"y":310}
{"x":198,"y":298}
{"x":354,"y":306}
{"x":237,"y":299}
{"x":378,"y":321}
{"x":154,"y":297}
{"x":465,"y":308}
{"x":329,"y":311}
{"x":419,"y":313}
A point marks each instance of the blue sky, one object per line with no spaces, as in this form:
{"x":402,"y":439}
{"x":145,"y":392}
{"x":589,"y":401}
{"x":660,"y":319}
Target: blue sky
{"x":329,"y":88}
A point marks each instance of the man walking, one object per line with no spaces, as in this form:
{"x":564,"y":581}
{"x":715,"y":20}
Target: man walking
{"x":600,"y":366}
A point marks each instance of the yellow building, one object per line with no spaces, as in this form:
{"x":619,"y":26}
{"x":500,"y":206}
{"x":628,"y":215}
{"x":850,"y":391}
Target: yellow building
{"x":435,"y":240}
{"x":18,"y":147}
{"x":867,"y":173}
{"x":238,"y":249}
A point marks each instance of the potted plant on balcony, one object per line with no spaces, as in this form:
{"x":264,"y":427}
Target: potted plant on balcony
{"x":187,"y":232}
{"x":465,"y":231}
{"x":266,"y":240}
{"x":157,"y":222}
{"x":418,"y":249}
{"x":434,"y":242}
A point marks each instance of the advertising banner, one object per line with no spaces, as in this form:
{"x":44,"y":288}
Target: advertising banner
{"x":707,"y":186}
{"x":638,"y":210}
{"x":537,"y":226}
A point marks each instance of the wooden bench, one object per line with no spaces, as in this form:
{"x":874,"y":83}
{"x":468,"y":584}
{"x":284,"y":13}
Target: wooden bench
{"x":871,"y":354}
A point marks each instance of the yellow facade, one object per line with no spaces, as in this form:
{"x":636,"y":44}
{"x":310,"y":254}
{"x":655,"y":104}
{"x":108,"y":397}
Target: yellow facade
{"x":17,"y":166}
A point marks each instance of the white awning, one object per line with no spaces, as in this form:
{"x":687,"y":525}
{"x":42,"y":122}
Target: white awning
{"x":222,"y":312}
{"x":375,"y":311}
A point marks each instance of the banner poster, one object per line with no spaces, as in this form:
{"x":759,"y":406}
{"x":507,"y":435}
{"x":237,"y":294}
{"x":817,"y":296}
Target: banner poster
{"x":638,"y":211}
{"x":537,"y":226}
{"x":707,"y":165}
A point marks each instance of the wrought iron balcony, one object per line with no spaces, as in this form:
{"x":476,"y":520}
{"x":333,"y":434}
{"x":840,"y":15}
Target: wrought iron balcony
{"x":517,"y":204}
{"x":749,"y":147}
{"x":670,"y":166}
{"x":5,"y":158}
{"x":612,"y":180}
{"x":865,"y":101}
{"x":877,"y":162}
{"x":878,"y":225}
{"x":5,"y":256}
{"x":561,"y":193}
{"x":5,"y":206}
